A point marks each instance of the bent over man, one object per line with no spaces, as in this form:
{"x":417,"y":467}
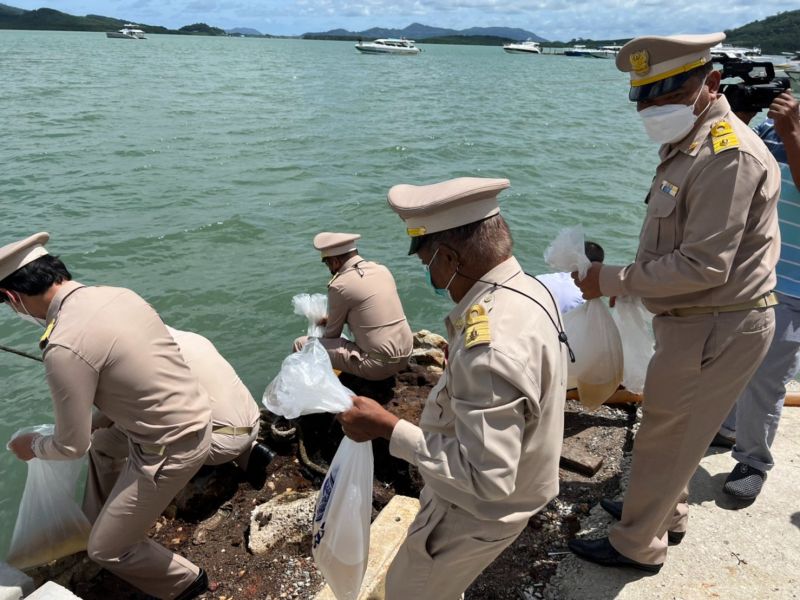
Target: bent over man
{"x":489,"y":438}
{"x":362,"y":295}
{"x":106,"y":347}
{"x":706,"y":269}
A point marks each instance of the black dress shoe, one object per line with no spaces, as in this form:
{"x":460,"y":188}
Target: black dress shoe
{"x":614,"y":508}
{"x":721,"y":441}
{"x":256,"y":473}
{"x":197,"y":587}
{"x":603,"y":553}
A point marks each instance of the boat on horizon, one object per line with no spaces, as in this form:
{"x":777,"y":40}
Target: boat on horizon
{"x":128,"y":32}
{"x":526,"y":47}
{"x":722,"y":52}
{"x":584,"y":52}
{"x":388,"y":46}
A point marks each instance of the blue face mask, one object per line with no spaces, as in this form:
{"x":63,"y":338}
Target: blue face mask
{"x":443,"y":292}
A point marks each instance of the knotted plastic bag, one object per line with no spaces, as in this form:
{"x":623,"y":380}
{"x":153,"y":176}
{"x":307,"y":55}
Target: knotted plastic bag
{"x":314,"y":307}
{"x":591,"y":331}
{"x":50,"y":524}
{"x":307,"y":384}
{"x":634,"y":322}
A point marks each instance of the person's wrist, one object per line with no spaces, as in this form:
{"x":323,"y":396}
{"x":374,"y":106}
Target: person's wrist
{"x":389,"y":423}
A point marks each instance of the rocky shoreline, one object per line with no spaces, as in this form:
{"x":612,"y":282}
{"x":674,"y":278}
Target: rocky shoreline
{"x":256,"y":544}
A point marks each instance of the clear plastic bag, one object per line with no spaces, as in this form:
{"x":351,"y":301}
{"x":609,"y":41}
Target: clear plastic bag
{"x":340,"y":542}
{"x":314,"y":307}
{"x":594,"y":338}
{"x":634,"y":322}
{"x":566,"y":253}
{"x":50,"y":524}
{"x":306,"y":384}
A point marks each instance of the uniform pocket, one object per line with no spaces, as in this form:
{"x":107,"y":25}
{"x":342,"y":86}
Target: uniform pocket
{"x":659,"y":232}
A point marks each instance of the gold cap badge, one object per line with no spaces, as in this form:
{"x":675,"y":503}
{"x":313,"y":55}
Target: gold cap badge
{"x":640,"y":62}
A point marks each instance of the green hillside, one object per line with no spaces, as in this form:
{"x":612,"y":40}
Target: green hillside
{"x":775,"y":34}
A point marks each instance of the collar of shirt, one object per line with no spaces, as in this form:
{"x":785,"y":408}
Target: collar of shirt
{"x":691,"y":143}
{"x":64,"y":290}
{"x":499,"y":275}
{"x":350,"y":262}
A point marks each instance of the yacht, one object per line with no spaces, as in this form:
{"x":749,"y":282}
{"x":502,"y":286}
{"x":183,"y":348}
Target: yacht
{"x":583,"y":51}
{"x":388,"y":46}
{"x":727,"y":52}
{"x":526,"y":47}
{"x":128,"y":32}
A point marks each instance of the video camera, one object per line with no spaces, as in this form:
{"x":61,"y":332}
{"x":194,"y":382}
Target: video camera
{"x":758,"y":88}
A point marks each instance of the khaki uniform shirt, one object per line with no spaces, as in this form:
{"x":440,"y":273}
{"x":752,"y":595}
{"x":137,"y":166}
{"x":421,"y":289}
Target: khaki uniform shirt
{"x":489,"y":439}
{"x":363,"y":295}
{"x":109,"y":348}
{"x":232,"y":404}
{"x":710,"y":237}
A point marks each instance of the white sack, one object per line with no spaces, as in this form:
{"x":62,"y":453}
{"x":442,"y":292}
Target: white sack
{"x":341,"y":520}
{"x":314,"y":307}
{"x":634,"y":322}
{"x":50,"y":524}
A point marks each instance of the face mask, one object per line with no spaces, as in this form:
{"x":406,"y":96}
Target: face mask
{"x":670,"y":122}
{"x":27,"y":316}
{"x":443,"y":292}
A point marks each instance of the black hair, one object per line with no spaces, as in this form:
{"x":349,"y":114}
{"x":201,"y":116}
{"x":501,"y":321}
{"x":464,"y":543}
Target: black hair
{"x":594,"y":251}
{"x":36,"y":277}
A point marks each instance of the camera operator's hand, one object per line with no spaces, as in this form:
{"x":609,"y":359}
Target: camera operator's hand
{"x":784,"y":111}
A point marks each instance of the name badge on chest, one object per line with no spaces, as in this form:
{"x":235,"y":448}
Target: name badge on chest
{"x":669,"y":188}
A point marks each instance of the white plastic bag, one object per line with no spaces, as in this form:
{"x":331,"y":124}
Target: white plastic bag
{"x":306,"y":384}
{"x":634,"y":322}
{"x":594,"y":339}
{"x":50,"y":524}
{"x":591,"y":331}
{"x":314,"y":307}
{"x":341,"y":519}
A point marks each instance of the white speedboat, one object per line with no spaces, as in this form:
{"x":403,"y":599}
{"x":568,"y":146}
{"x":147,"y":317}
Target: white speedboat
{"x":526,"y":47}
{"x":727,"y":52}
{"x":583,"y":51}
{"x":388,"y":46}
{"x":128,"y":32}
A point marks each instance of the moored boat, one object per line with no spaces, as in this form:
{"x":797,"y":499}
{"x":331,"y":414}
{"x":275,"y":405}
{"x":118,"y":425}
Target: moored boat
{"x":526,"y":47}
{"x":388,"y":46}
{"x":128,"y":32}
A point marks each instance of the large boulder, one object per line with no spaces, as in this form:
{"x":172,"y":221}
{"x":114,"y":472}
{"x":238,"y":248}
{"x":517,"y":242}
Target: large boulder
{"x":429,"y":350}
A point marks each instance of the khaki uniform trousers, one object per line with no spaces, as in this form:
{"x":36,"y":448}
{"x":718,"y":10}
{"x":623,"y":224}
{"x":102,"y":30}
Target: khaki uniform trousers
{"x":125,"y":496}
{"x":446,"y":549}
{"x":700,"y":367}
{"x":346,"y":356}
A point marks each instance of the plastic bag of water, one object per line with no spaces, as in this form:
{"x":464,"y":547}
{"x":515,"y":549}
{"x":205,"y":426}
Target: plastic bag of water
{"x":314,"y":307}
{"x":635,"y":324}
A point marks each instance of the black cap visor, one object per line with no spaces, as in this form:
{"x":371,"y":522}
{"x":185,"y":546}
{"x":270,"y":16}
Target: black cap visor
{"x":416,"y":242}
{"x":658,"y":88}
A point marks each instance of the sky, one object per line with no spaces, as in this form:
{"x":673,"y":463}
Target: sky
{"x":551,"y":19}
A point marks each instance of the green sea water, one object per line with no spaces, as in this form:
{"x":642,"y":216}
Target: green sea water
{"x":196,"y":171}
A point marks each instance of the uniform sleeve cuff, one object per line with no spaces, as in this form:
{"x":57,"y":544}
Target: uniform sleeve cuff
{"x":406,"y":439}
{"x":611,"y":281}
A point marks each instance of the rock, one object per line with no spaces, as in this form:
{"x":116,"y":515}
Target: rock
{"x":426,"y":339}
{"x":14,"y":584}
{"x":287,"y":518}
{"x":429,"y":350}
{"x":52,"y":591}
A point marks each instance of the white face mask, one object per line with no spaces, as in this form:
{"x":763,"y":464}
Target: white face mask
{"x":670,"y":122}
{"x":27,"y":316}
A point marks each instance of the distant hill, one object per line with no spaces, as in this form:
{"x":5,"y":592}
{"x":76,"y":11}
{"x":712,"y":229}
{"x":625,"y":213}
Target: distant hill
{"x":418,"y":31}
{"x":245,"y":31}
{"x":775,"y":34}
{"x":53,"y":20}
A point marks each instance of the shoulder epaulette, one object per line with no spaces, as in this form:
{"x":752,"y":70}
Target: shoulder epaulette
{"x":723,"y":137}
{"x":477,"y":331}
{"x":43,"y":341}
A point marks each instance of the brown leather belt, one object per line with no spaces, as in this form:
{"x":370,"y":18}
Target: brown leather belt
{"x":764,"y":301}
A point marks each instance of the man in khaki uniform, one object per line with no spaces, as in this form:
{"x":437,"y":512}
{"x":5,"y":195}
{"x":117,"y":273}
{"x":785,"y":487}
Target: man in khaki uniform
{"x":234,"y":419}
{"x":363,"y":295}
{"x":489,"y":438}
{"x":106,"y":347}
{"x":706,"y":268}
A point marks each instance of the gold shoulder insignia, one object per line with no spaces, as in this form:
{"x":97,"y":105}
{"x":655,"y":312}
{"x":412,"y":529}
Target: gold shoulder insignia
{"x":723,"y":137}
{"x":46,"y":335}
{"x":477,"y":331}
